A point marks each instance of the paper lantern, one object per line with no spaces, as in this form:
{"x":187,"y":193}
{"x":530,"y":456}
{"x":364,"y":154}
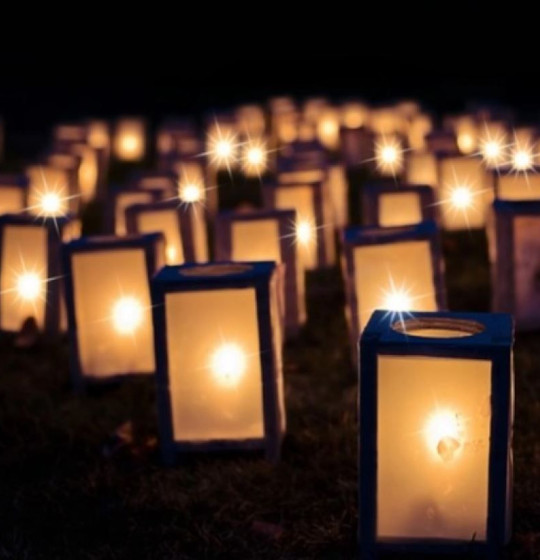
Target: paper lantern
{"x":513,"y":235}
{"x":511,"y":184}
{"x":177,"y":137}
{"x":129,"y":141}
{"x":328,"y":123}
{"x":493,"y":143}
{"x":165,"y":182}
{"x":354,"y":114}
{"x":284,"y":120}
{"x":219,"y":367}
{"x":108,"y":305}
{"x":13,"y":190}
{"x":389,"y":156}
{"x":397,"y":205}
{"x":251,"y":120}
{"x":99,"y":139}
{"x":314,"y":231}
{"x":442,"y":142}
{"x":30,"y":272}
{"x":464,"y":192}
{"x":419,"y":127}
{"x":436,"y":414}
{"x":266,"y":235}
{"x":183,"y":227}
{"x":421,"y":169}
{"x":338,"y":190}
{"x":387,"y":121}
{"x":120,"y":200}
{"x":50,"y":191}
{"x":397,"y":269}
{"x":466,"y":132}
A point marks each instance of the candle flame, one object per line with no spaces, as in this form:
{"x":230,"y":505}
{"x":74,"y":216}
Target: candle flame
{"x":443,"y":433}
{"x":389,"y":156}
{"x":228,"y":364}
{"x":190,"y":192}
{"x":304,"y":231}
{"x":397,"y":300}
{"x":29,"y":286}
{"x":254,"y":158}
{"x":461,"y":197}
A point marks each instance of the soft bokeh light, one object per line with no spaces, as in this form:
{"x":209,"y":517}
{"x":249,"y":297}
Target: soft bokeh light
{"x":461,"y":197}
{"x":304,"y":231}
{"x":127,"y":315}
{"x":29,"y":286}
{"x":254,"y":158}
{"x":522,"y":158}
{"x":443,"y":434}
{"x":389,"y":156}
{"x":397,"y":300}
{"x":190,"y":192}
{"x":228,"y":364}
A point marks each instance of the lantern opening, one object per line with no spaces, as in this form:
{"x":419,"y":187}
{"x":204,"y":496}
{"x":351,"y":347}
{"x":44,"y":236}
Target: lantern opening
{"x":438,"y":327}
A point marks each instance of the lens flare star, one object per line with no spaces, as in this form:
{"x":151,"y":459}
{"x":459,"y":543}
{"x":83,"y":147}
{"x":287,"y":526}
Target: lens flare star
{"x":223,"y":147}
{"x":127,"y":315}
{"x":228,"y":364}
{"x":389,"y":156}
{"x":254,"y":158}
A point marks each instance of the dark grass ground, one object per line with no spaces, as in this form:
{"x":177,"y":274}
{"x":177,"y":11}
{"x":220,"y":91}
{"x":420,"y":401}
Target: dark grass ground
{"x":68,"y":491}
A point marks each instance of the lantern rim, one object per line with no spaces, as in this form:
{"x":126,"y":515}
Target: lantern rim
{"x":430,"y":326}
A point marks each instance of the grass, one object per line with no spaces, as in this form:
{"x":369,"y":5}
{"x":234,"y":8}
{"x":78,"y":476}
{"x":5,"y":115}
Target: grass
{"x":69,"y":489}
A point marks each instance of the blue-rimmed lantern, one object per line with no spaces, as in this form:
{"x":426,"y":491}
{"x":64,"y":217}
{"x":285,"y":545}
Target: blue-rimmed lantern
{"x":218,"y":349}
{"x":108,"y":305}
{"x":436,"y":413}
{"x":119,"y":199}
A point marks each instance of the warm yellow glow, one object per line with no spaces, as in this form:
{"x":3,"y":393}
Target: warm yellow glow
{"x":493,"y":150}
{"x":228,"y":364}
{"x":171,"y":253}
{"x":443,"y":433}
{"x":28,"y":286}
{"x":304,"y":232}
{"x":465,"y":143}
{"x":397,"y":300}
{"x":190,"y":192}
{"x":129,"y":144}
{"x":354,"y":115}
{"x":389,"y":156}
{"x":461,"y":197}
{"x":127,"y":315}
{"x":522,"y":159}
{"x":328,"y":129}
{"x":51,"y":204}
{"x":255,"y":158}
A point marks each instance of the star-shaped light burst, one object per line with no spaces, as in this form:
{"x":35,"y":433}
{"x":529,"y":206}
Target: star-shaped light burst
{"x":397,"y":301}
{"x":493,"y":148}
{"x":305,"y":232}
{"x":522,"y":157}
{"x":222,"y":148}
{"x":50,"y":201}
{"x":389,"y":155}
{"x":127,"y":315}
{"x":254,"y":158}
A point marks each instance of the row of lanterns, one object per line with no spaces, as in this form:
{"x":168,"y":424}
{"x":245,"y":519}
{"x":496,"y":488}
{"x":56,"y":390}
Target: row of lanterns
{"x":436,"y":387}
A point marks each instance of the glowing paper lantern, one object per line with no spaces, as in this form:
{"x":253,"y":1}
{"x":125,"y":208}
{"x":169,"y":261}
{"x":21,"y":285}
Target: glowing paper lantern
{"x":397,"y":269}
{"x":183,"y":227}
{"x":108,"y":304}
{"x":50,"y":191}
{"x":442,"y":142}
{"x":328,"y":123}
{"x":397,"y":205}
{"x":389,"y":156}
{"x":315,"y":233}
{"x":219,"y":368}
{"x":251,"y":120}
{"x":436,"y":414}
{"x":337,"y":186}
{"x":266,"y":235}
{"x":354,"y":114}
{"x":13,"y":189}
{"x":420,"y":125}
{"x":421,"y":169}
{"x":30,"y":272}
{"x":511,"y":184}
{"x":120,"y":200}
{"x":514,"y":235}
{"x":466,"y":131}
{"x":129,"y":141}
{"x":164,"y":182}
{"x":464,"y":192}
{"x":177,"y":137}
{"x":357,"y":146}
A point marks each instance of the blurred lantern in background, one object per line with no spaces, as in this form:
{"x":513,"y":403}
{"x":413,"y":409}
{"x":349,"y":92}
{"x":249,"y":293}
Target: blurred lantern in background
{"x":121,"y":199}
{"x":30,"y":272}
{"x":514,"y":242}
{"x":436,"y":414}
{"x":183,"y":227}
{"x":251,"y":120}
{"x":266,"y":235}
{"x":396,"y":269}
{"x":108,"y":304}
{"x":254,"y":157}
{"x":13,"y":193}
{"x":389,"y":156}
{"x":421,"y":169}
{"x":328,"y":124}
{"x":218,"y":342}
{"x":512,"y":185}
{"x":49,"y":191}
{"x":129,"y":140}
{"x":397,"y":205}
{"x":464,"y":192}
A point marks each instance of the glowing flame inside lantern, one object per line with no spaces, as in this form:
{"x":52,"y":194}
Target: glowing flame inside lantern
{"x":29,"y":286}
{"x":127,"y":315}
{"x":443,"y":434}
{"x":304,"y":232}
{"x":397,"y":300}
{"x":190,"y":192}
{"x":461,"y":197}
{"x":522,"y":159}
{"x":228,"y":364}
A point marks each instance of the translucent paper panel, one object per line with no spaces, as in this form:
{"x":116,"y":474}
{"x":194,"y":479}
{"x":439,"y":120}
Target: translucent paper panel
{"x":421,"y":169}
{"x":463,"y":193}
{"x":433,"y":419}
{"x":157,"y":183}
{"x":129,"y":140}
{"x":519,"y":186}
{"x":214,"y":365}
{"x":256,"y":240}
{"x":48,"y":190}
{"x":393,"y":276}
{"x":337,"y":187}
{"x":304,"y":176}
{"x":88,"y":171}
{"x":166,"y":222}
{"x":301,"y":199}
{"x":113,"y":314}
{"x":11,"y":199}
{"x":123,"y":201}
{"x":526,"y":269}
{"x":23,"y":276}
{"x":399,"y":209}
